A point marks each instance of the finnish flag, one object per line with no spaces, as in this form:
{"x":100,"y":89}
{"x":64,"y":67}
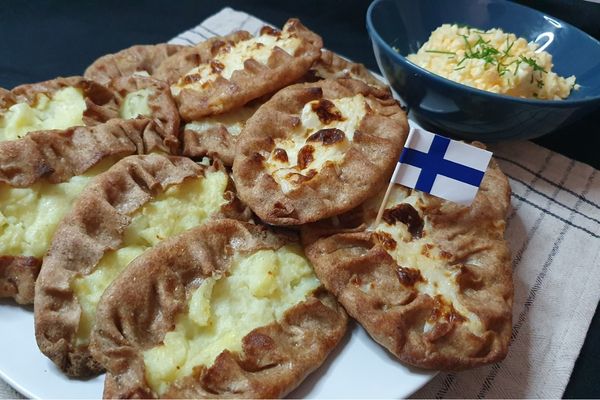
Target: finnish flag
{"x":440,"y":166}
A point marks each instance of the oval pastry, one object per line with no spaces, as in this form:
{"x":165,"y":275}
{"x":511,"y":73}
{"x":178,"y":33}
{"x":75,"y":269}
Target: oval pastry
{"x":224,"y":310}
{"x":318,"y":149}
{"x":243,"y":68}
{"x":135,"y":60}
{"x":137,"y":203}
{"x":432,"y":282}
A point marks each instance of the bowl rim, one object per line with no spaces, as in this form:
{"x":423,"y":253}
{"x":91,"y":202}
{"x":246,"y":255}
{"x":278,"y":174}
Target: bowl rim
{"x":457,"y":85}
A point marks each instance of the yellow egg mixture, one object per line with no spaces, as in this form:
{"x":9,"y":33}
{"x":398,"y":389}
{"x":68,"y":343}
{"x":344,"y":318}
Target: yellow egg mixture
{"x":62,"y":110}
{"x":423,"y":255}
{"x":257,"y":291}
{"x":179,"y":208}
{"x":229,"y":60}
{"x":350,"y":111}
{"x":493,"y":61}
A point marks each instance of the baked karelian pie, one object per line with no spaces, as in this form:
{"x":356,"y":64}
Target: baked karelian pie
{"x":432,"y":282}
{"x":138,"y":202}
{"x":54,"y":137}
{"x":243,"y":68}
{"x":226,"y":310}
{"x":138,"y":60}
{"x":318,"y":149}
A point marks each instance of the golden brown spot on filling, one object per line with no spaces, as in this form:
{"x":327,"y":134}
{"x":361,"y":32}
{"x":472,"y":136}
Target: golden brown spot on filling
{"x":406,"y":214}
{"x":327,"y":111}
{"x":444,"y":311}
{"x":409,"y":276}
{"x":267,"y":30}
{"x":280,"y":155}
{"x":216,"y":66}
{"x":385,"y":240}
{"x":305,"y":156}
{"x":327,"y":136}
{"x":189,"y":79}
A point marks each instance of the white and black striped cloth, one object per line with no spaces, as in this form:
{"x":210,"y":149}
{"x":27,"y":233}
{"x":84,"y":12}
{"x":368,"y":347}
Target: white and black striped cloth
{"x":554,"y":235}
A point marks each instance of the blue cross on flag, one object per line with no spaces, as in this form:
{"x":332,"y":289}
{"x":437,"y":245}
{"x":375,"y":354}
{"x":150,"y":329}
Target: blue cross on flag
{"x":440,"y":166}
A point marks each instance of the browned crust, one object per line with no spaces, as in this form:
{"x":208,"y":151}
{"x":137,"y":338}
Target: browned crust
{"x":141,"y":306}
{"x":394,"y":313}
{"x":129,"y":61}
{"x":189,"y":57}
{"x":332,"y":66}
{"x":255,"y":79}
{"x":94,"y":226}
{"x":17,"y":277}
{"x":365,"y":168}
{"x":162,"y":132}
{"x":215,"y":142}
{"x":58,"y":155}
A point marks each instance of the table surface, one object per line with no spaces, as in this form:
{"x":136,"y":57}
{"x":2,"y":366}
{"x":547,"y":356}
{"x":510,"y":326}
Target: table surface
{"x":42,"y":40}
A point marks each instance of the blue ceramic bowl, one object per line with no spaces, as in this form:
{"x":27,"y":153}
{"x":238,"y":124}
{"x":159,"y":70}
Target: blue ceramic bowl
{"x":465,"y":112}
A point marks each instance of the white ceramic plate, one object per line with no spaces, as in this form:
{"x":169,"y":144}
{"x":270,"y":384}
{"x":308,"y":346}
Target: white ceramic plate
{"x":358,"y":368}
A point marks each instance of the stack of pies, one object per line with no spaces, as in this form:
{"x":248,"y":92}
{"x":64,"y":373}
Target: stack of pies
{"x":200,"y":222}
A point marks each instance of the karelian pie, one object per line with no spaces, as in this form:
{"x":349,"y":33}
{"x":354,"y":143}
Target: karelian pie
{"x":135,"y":60}
{"x":432,"y":282}
{"x":318,"y":149}
{"x":138,"y":202}
{"x":242,"y":68}
{"x":54,"y":137}
{"x":226,"y":310}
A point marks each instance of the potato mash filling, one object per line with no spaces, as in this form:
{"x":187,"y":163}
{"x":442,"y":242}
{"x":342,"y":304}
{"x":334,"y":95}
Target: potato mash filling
{"x":324,"y":135}
{"x":234,"y":121}
{"x":179,"y":208}
{"x":61,"y":110}
{"x":257,"y":291}
{"x":231,"y":59}
{"x":493,"y":61}
{"x":29,"y":216}
{"x":136,"y":104}
{"x":415,"y":253}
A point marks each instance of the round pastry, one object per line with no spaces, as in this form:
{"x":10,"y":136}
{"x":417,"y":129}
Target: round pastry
{"x":138,"y":202}
{"x":243,"y":68}
{"x":318,"y":149}
{"x":138,"y":60}
{"x":432,"y":282}
{"x":224,"y":310}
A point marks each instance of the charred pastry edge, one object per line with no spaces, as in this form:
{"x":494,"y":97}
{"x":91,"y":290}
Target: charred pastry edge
{"x":282,"y":113}
{"x":255,"y":80}
{"x":264,"y":370}
{"x":162,"y":132}
{"x":114,"y":195}
{"x":323,"y":237}
{"x":128,"y":61}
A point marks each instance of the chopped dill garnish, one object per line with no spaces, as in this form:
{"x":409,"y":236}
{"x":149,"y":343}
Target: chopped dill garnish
{"x":440,"y":52}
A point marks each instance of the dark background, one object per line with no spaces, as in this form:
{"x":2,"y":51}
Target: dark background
{"x":41,"y":40}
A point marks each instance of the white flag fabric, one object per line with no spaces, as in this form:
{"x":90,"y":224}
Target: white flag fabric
{"x":440,"y":166}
